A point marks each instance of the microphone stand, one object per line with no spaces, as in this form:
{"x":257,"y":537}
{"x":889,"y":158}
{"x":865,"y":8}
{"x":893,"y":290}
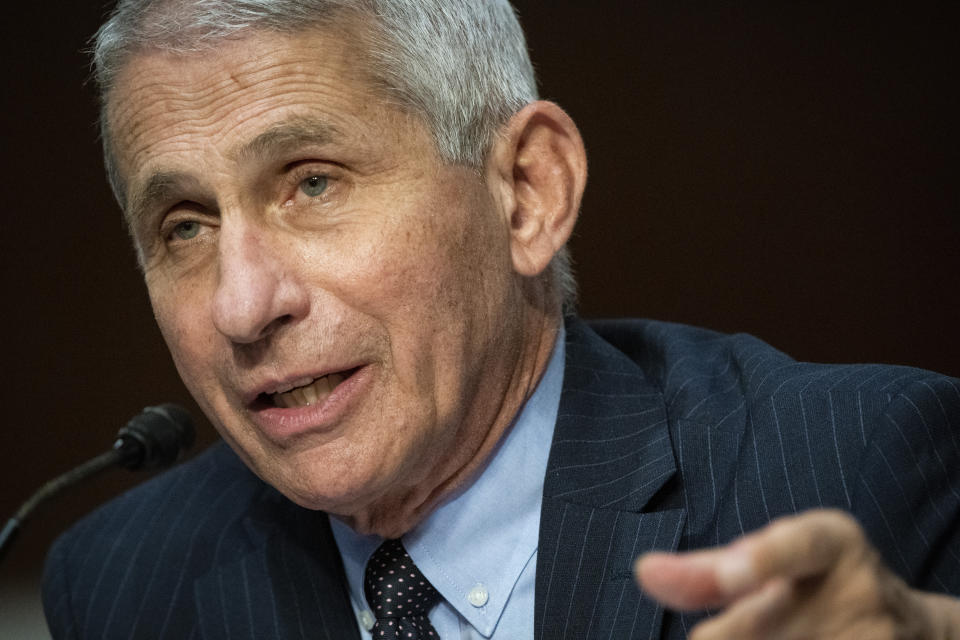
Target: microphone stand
{"x":52,"y":488}
{"x":154,"y":438}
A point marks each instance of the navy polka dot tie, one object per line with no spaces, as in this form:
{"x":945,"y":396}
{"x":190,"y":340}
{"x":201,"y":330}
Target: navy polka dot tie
{"x":398,"y":594}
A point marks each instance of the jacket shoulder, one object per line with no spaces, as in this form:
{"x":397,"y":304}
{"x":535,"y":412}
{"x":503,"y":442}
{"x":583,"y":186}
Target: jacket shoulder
{"x":758,"y":435}
{"x":701,"y":371}
{"x":146,"y":541}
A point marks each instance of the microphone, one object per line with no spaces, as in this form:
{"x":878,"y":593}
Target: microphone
{"x":153,"y":439}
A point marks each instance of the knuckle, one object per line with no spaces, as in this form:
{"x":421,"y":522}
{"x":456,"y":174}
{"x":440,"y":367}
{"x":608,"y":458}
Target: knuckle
{"x":861,"y":589}
{"x":840,"y":523}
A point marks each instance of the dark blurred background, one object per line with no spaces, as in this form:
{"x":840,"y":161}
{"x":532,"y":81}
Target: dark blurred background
{"x":788,"y":170}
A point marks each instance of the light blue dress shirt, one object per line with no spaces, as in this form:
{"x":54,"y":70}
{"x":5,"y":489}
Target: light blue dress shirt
{"x":479,"y":548}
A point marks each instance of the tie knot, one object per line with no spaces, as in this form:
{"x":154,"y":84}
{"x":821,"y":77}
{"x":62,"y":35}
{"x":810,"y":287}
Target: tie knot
{"x":396,"y":590}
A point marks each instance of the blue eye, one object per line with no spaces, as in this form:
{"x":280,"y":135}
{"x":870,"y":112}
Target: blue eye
{"x":314,"y":186}
{"x":186,"y":230}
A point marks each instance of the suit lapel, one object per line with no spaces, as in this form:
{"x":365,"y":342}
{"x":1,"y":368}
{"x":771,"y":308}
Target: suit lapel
{"x":611,"y":454}
{"x":287,"y":584}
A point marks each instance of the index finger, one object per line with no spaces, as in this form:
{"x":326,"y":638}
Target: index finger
{"x":800,"y":546}
{"x":792,"y":547}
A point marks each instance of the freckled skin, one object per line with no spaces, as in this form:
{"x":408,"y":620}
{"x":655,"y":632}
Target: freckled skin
{"x":402,"y":263}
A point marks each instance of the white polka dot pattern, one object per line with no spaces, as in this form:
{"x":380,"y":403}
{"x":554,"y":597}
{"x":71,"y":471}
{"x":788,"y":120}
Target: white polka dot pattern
{"x":398,"y":594}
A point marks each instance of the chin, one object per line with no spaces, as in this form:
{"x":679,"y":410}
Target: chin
{"x":338,"y":493}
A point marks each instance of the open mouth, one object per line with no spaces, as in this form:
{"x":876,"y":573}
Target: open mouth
{"x":315,"y":392}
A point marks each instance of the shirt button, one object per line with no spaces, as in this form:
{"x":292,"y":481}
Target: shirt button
{"x":367,"y":620}
{"x":478,"y":596}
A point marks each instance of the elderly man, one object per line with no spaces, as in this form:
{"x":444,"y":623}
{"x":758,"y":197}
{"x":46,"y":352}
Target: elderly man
{"x":351,"y":219}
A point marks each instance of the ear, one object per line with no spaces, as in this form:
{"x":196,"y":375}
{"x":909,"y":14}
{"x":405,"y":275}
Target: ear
{"x":540,"y":166}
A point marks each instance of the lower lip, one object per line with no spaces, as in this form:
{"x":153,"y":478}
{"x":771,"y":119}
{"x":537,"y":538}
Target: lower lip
{"x":283,"y":424}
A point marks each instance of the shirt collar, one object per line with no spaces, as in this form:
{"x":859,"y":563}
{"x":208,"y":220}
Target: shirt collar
{"x":473,"y":547}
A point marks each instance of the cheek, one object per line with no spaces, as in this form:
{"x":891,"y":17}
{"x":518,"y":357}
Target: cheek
{"x":384,"y":269}
{"x":441,"y":290}
{"x":440,"y":262}
{"x":180,"y":313}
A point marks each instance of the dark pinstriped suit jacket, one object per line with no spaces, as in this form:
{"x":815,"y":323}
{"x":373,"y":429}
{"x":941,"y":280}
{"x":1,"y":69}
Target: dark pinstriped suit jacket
{"x":674,"y":438}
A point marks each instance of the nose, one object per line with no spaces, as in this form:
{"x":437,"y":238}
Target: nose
{"x":256,"y":293}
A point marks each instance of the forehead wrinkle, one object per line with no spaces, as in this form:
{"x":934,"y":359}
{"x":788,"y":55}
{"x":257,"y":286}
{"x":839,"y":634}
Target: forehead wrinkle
{"x":200,"y":111}
{"x":151,"y":86}
{"x":202,"y":97}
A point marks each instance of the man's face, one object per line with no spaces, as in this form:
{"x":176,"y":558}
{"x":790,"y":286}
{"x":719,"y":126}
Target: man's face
{"x":330,"y":290}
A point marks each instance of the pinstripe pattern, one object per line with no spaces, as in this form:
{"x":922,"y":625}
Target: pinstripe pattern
{"x":204,"y":551}
{"x":674,"y":438}
{"x":684,"y":438}
{"x":611,"y":453}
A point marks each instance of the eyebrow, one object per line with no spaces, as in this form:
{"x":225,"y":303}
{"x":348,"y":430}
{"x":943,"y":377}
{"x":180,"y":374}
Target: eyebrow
{"x":160,"y":186}
{"x":163,"y":185}
{"x":295,"y":132}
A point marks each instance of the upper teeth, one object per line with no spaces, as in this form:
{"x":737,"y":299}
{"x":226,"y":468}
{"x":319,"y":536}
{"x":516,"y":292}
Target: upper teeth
{"x":308,"y":394}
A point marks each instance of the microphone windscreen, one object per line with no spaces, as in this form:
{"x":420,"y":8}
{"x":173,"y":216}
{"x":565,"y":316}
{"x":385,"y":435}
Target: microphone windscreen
{"x":155,"y":437}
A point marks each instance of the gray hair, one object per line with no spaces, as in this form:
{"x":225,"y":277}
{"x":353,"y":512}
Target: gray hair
{"x":461,"y":65}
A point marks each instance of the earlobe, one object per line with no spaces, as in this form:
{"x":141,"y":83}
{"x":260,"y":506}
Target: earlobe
{"x":542,"y":167}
